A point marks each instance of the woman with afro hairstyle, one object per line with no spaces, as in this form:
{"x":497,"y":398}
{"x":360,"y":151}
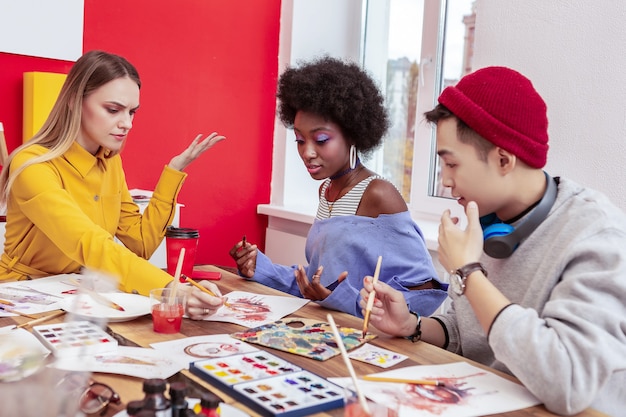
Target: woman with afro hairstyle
{"x":337,"y":113}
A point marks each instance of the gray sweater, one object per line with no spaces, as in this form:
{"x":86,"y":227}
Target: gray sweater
{"x":565,"y":336}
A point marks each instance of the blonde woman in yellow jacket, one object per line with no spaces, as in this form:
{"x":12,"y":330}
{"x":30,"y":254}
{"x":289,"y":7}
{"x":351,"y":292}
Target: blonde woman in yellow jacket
{"x":66,"y":194}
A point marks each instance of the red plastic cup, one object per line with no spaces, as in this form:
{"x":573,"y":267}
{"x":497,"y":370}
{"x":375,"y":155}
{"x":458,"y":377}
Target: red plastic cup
{"x":177,"y":238}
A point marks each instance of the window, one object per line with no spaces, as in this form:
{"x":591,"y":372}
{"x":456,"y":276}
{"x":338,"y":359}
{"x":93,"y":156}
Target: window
{"x":400,"y":44}
{"x":414,"y":57}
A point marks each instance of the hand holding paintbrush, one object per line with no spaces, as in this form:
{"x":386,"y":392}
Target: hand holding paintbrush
{"x":370,"y":299}
{"x":212,"y":308}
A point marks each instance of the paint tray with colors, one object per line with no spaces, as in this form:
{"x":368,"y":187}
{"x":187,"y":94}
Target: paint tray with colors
{"x":269,"y":384}
{"x":75,"y":338}
{"x":311,"y":338}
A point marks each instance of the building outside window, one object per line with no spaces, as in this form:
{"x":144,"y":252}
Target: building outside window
{"x":415,"y":62}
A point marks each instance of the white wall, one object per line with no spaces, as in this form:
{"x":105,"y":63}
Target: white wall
{"x":43,"y":28}
{"x":573,"y":51}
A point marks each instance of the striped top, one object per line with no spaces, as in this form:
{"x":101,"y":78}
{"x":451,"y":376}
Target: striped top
{"x":347,"y":205}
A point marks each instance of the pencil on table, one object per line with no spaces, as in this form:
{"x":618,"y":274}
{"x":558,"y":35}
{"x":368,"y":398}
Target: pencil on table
{"x":370,"y":299}
{"x":404,"y":380}
{"x":41,"y":319}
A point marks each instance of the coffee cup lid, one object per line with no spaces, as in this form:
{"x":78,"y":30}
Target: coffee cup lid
{"x":181,"y":232}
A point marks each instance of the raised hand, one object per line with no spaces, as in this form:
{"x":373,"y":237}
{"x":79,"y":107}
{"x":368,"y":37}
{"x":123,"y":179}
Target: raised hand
{"x":458,"y":247}
{"x":194,"y":150}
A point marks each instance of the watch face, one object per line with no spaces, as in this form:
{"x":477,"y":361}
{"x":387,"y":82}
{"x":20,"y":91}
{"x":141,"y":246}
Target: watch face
{"x":456,"y":283}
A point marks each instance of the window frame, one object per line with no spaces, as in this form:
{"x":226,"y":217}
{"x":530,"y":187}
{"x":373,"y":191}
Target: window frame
{"x":424,"y":202}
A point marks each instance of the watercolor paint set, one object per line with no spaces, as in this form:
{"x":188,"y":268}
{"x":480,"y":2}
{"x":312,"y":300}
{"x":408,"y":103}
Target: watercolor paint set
{"x":75,"y":338}
{"x":311,"y":338}
{"x":270,"y":385}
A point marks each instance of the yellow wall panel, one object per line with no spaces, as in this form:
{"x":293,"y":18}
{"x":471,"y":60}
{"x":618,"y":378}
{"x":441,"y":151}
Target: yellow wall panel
{"x":41,"y":90}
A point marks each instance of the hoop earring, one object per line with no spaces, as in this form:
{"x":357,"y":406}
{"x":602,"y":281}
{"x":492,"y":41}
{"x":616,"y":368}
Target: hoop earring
{"x":353,"y":157}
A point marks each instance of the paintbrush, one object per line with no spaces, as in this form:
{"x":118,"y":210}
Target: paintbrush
{"x":370,"y":299}
{"x":243,"y":243}
{"x":6,"y":303}
{"x":10,"y":310}
{"x":40,"y":319}
{"x":404,"y":380}
{"x":103,"y":300}
{"x":99,"y":298}
{"x":179,"y":268}
{"x":346,"y":360}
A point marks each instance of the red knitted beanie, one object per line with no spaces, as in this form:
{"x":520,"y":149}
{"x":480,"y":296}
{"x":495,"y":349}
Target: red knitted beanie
{"x":503,"y":107}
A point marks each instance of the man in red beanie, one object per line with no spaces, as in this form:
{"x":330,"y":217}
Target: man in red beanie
{"x":538,"y":276}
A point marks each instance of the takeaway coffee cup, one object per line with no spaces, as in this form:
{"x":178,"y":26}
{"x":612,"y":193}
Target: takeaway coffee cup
{"x":177,"y":238}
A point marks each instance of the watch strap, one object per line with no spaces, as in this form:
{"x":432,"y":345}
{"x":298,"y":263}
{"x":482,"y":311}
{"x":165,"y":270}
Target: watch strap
{"x":418,"y":328}
{"x":468,"y":269}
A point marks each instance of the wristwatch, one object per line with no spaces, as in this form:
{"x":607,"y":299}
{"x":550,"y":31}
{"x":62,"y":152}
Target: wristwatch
{"x":458,"y":277}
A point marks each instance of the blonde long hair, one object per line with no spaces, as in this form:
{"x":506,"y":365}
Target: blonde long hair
{"x":61,"y":128}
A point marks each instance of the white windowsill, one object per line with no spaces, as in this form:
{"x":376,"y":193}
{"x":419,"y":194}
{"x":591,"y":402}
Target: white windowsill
{"x":297,"y":214}
{"x":429,"y":227}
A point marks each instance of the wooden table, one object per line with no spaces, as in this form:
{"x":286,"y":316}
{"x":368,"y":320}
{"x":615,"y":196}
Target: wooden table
{"x":139,"y":332}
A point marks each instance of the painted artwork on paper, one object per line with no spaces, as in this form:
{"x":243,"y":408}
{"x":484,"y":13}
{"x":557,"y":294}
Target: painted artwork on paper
{"x":378,"y":356}
{"x":464,"y":391}
{"x":249,"y":309}
{"x":305,"y":337}
{"x":194,"y":348}
{"x":133,"y":361}
{"x":35,"y":296}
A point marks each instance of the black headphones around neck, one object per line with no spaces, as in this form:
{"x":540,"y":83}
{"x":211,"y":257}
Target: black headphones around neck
{"x":501,"y":239}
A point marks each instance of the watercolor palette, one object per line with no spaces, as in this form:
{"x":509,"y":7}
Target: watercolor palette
{"x":269,"y":384}
{"x":75,"y":338}
{"x":302,"y":336}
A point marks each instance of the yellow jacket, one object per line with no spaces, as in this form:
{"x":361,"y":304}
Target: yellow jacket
{"x":63,"y":214}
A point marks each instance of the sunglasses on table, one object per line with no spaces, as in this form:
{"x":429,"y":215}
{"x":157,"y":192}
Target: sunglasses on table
{"x":93,"y":397}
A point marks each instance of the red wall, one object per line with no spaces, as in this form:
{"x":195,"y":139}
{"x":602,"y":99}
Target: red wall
{"x":205,"y":66}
